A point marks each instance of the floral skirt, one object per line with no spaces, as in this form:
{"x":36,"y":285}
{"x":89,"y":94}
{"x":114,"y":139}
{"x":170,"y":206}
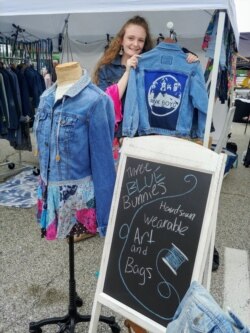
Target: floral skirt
{"x":66,"y":208}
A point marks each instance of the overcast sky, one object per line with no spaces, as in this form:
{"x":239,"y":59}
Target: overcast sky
{"x":243,"y":15}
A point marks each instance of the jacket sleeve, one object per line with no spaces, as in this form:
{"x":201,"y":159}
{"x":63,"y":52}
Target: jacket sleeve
{"x":131,"y":108}
{"x":101,"y":132}
{"x":199,"y":96}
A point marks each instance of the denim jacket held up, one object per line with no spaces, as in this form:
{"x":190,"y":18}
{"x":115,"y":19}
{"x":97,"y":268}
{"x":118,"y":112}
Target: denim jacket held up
{"x":162,"y":94}
{"x":74,"y":139}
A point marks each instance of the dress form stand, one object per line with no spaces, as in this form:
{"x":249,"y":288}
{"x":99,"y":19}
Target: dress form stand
{"x":68,"y":322}
{"x":67,"y":75}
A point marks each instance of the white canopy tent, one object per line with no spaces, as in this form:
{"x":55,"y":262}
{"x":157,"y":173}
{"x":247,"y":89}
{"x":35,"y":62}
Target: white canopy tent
{"x":97,"y":17}
{"x":89,"y":23}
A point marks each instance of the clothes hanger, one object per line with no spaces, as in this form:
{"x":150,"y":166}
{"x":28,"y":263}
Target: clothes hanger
{"x":172,"y":34}
{"x":169,"y":40}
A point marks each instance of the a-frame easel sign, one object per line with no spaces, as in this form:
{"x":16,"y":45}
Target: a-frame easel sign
{"x":159,"y":231}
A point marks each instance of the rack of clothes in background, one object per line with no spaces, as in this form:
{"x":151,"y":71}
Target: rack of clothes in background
{"x":21,"y":85}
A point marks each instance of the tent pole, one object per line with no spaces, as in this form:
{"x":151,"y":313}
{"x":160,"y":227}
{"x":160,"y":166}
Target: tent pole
{"x":214,"y":76}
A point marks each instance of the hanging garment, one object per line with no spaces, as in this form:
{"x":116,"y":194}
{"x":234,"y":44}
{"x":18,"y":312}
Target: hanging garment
{"x":74,"y":138}
{"x":27,"y":109}
{"x":4,"y":120}
{"x":36,"y":84}
{"x":162,"y":93}
{"x":227,"y":72}
{"x":109,"y":75}
{"x":14,"y":112}
{"x":210,"y":46}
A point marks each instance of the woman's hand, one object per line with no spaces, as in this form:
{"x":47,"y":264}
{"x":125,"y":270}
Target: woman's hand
{"x":132,"y":62}
{"x":122,"y":83}
{"x":191,"y":58}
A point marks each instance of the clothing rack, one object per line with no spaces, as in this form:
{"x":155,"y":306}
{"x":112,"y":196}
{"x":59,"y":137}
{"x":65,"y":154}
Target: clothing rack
{"x":21,"y":52}
{"x":19,"y":46}
{"x":17,"y":166}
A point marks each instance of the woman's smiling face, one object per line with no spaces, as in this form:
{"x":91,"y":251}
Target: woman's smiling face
{"x":133,"y":40}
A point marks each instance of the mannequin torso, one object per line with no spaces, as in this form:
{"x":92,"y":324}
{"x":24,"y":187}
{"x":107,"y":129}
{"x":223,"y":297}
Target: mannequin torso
{"x":77,"y":132}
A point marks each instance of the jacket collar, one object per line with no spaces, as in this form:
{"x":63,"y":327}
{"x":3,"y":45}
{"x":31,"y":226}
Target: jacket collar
{"x":169,"y":46}
{"x":117,"y":61}
{"x":82,"y":83}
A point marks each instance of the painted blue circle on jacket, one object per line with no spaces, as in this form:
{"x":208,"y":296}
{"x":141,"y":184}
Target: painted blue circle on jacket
{"x":164,"y":95}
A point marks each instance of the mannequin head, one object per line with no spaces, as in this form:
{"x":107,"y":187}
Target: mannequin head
{"x":68,"y":73}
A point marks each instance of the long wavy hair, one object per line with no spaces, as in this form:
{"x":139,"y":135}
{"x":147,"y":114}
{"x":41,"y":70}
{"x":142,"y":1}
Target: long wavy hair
{"x":114,"y":48}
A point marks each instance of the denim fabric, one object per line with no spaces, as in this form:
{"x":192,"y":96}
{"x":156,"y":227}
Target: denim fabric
{"x":110,"y":73}
{"x":16,"y":90}
{"x":24,"y":92}
{"x":36,"y":84}
{"x":11,"y":100}
{"x":162,"y":93}
{"x":198,"y":312}
{"x":4,"y":120}
{"x":74,"y":139}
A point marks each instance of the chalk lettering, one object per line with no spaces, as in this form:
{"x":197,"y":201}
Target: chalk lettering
{"x":135,"y":249}
{"x":139,"y":249}
{"x":135,"y":187}
{"x":157,"y":223}
{"x":147,"y":236}
{"x":128,"y":202}
{"x":168,"y":209}
{"x":190,"y":216}
{"x":139,"y":170}
{"x":137,"y":201}
{"x":177,"y":211}
{"x":132,"y":268}
{"x":147,"y":181}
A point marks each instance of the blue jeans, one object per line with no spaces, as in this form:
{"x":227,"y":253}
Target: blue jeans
{"x":198,"y":312}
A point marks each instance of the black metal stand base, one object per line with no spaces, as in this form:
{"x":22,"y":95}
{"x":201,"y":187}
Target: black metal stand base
{"x":68,"y":323}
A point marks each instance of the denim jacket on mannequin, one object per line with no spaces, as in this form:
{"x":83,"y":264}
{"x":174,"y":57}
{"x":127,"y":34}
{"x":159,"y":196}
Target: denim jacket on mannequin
{"x":162,"y":93}
{"x":199,"y":313}
{"x":74,"y":139}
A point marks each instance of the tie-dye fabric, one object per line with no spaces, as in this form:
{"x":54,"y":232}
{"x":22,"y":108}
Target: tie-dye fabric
{"x":66,"y":209}
{"x":19,"y":191}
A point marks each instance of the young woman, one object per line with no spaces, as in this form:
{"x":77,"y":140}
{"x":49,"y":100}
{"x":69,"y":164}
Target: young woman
{"x":112,"y":70}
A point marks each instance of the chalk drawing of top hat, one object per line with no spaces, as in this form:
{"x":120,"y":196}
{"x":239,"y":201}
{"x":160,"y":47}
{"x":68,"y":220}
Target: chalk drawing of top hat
{"x":174,"y":258}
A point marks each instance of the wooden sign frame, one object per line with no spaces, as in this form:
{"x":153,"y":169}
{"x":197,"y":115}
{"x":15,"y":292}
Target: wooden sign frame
{"x":177,"y":153}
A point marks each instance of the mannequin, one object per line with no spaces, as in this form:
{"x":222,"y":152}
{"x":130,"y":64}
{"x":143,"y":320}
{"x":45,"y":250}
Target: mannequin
{"x":75,"y":190}
{"x":67,"y":74}
{"x":78,"y":129}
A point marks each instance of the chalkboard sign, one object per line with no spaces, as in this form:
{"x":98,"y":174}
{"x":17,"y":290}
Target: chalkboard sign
{"x":157,"y":220}
{"x":156,"y":236}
